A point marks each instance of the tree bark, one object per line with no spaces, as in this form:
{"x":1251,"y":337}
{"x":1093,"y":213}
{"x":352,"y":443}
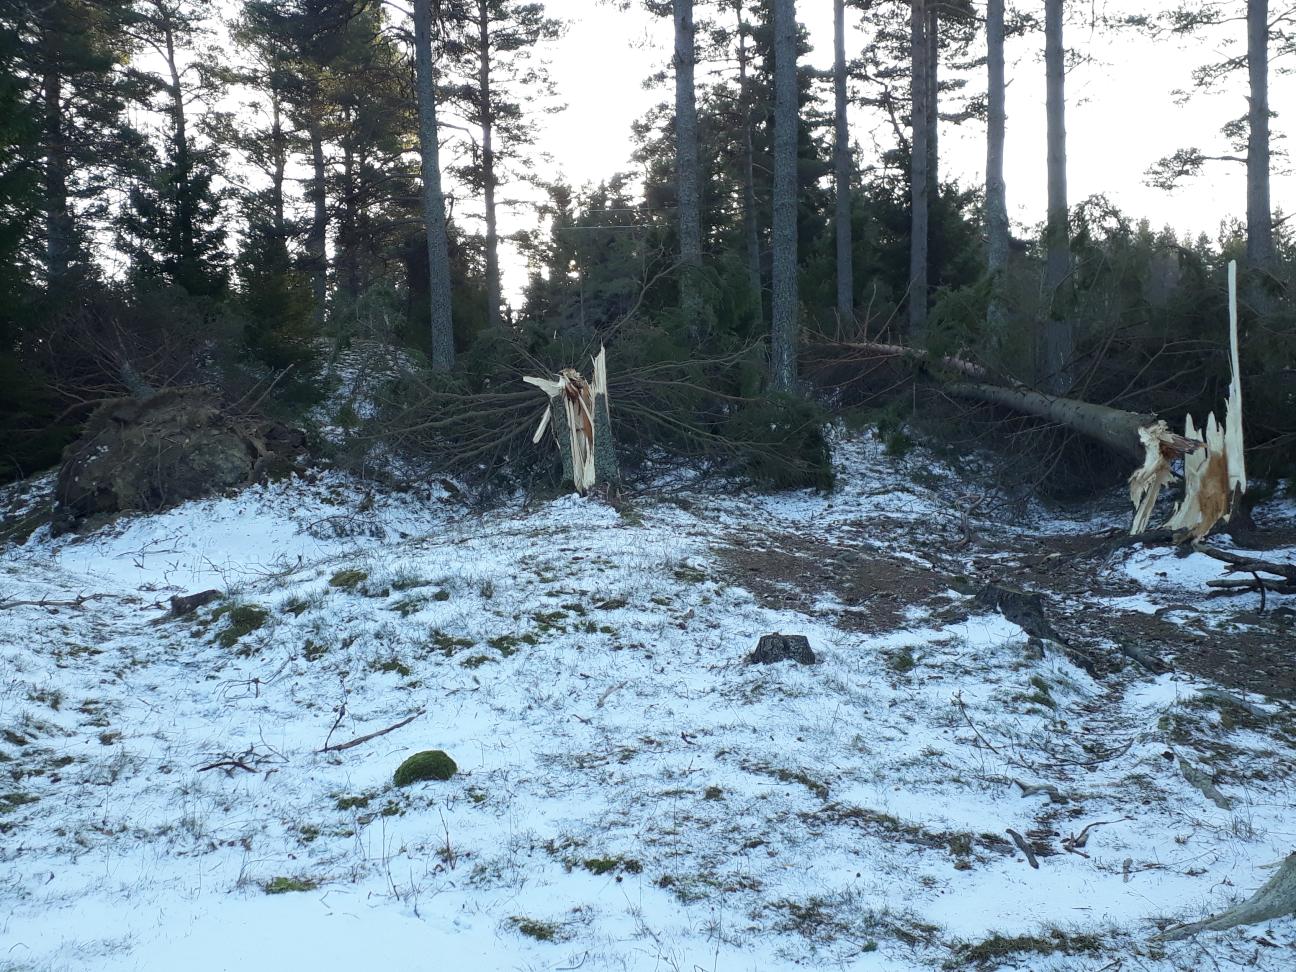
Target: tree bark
{"x":918,"y":176}
{"x":183,"y":245}
{"x":493,"y":300}
{"x":1058,"y":343}
{"x":279,"y":151}
{"x":751,"y":226}
{"x":842,"y":160}
{"x":438,"y":245}
{"x":1261,"y":253}
{"x":59,"y":230}
{"x":933,"y":113}
{"x":783,"y":356}
{"x":687,"y":176}
{"x":317,"y":238}
{"x":1114,"y":427}
{"x":996,"y":191}
{"x":348,"y":258}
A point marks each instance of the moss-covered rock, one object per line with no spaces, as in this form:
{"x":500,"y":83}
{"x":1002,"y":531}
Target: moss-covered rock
{"x":431,"y":764}
{"x":348,"y":579}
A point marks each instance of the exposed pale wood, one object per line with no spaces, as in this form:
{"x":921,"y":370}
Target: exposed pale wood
{"x":1276,"y":899}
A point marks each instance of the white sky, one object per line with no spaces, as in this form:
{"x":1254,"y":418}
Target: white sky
{"x":1121,"y":114}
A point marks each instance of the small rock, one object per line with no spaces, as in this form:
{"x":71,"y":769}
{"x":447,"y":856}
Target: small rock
{"x":780,"y":647}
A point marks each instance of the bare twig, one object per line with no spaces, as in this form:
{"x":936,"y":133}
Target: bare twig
{"x":373,"y":735}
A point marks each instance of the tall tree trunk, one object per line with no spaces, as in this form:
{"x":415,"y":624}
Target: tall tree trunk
{"x":934,"y":241}
{"x":493,"y":300}
{"x":183,"y":246}
{"x":1058,"y":339}
{"x":783,"y":348}
{"x":59,"y":229}
{"x":443,"y":351}
{"x":317,"y":238}
{"x":842,"y":161}
{"x":687,"y":173}
{"x":996,"y":191}
{"x":279,"y":154}
{"x":918,"y":177}
{"x":348,"y":256}
{"x":1261,"y":253}
{"x":751,"y":227}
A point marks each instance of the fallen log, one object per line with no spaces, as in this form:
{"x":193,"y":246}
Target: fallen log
{"x":1276,"y":899}
{"x":1214,"y":467}
{"x":1113,"y":427}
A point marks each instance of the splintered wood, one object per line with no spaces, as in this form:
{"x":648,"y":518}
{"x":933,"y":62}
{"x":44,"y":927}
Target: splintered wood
{"x":1214,"y":466}
{"x":582,"y":425}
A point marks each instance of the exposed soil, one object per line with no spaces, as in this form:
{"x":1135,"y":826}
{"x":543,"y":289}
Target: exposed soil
{"x":865,"y":587}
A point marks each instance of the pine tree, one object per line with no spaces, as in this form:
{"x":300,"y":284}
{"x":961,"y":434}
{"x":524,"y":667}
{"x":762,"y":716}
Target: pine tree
{"x":173,"y":227}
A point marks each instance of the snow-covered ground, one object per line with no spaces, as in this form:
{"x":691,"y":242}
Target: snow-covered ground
{"x":630,"y":795}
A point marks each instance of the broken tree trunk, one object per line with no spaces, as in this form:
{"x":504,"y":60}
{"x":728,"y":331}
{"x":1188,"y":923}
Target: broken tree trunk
{"x":1214,"y":466}
{"x":1214,"y":477}
{"x":582,"y":424}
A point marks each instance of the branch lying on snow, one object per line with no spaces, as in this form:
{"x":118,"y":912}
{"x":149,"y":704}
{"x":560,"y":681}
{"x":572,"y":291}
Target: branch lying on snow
{"x":360,"y":740}
{"x":80,"y":601}
{"x":1073,"y":843}
{"x":1024,"y":847}
{"x":1276,"y":899}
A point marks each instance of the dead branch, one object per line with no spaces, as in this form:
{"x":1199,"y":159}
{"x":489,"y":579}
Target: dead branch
{"x":1073,"y":843}
{"x":1247,"y":565}
{"x":79,"y":601}
{"x":1024,"y":847}
{"x":360,"y":740}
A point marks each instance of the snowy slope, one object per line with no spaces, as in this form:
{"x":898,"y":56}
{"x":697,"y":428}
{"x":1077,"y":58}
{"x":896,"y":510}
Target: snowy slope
{"x":630,"y":795}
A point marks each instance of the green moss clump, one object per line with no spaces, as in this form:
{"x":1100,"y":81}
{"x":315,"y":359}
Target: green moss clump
{"x":243,"y":620}
{"x":348,"y":579}
{"x":996,"y":950}
{"x":282,"y":885}
{"x":541,"y":931}
{"x":432,"y":764}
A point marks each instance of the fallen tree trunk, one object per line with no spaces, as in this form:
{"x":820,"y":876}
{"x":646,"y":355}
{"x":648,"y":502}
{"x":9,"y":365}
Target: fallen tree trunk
{"x":1113,"y":427}
{"x":1214,"y":466}
{"x":1277,"y":899}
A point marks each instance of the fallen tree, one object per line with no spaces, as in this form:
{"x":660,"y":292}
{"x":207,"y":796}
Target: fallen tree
{"x":1276,"y":899}
{"x":1214,"y":469}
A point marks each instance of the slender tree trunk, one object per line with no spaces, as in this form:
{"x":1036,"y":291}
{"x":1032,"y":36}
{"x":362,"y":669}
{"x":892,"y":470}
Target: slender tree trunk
{"x":996,"y":191}
{"x":842,"y":160}
{"x":919,"y":181}
{"x":183,"y":246}
{"x":1058,"y":339}
{"x":493,"y":300}
{"x":317,"y":239}
{"x":687,"y":174}
{"x":935,"y":249}
{"x":279,"y":150}
{"x":348,"y":257}
{"x":443,"y":351}
{"x":783,"y":353}
{"x":751,"y":226}
{"x":59,"y":229}
{"x":1261,"y":253}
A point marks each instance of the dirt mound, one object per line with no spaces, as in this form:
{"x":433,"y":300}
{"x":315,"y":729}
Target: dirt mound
{"x":146,"y":454}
